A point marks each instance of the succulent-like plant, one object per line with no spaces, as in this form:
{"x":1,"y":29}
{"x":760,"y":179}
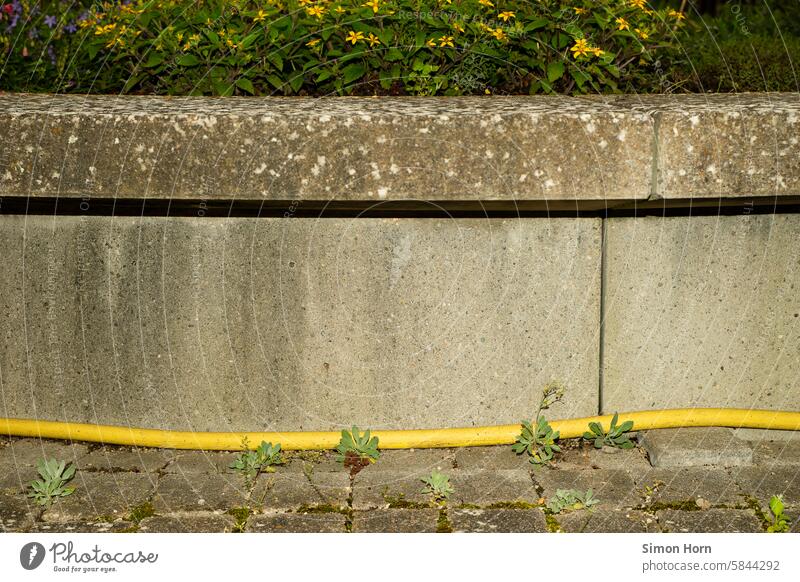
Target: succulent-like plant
{"x":357,"y":450}
{"x":438,"y":485}
{"x":55,"y":475}
{"x":615,"y":437}
{"x":538,"y":442}
{"x":779,"y":523}
{"x":571,"y":500}
{"x":251,"y":463}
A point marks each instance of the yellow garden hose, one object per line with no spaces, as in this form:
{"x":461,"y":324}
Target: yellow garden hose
{"x":394,"y":439}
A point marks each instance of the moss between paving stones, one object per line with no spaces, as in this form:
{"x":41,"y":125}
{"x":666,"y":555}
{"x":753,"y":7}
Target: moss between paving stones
{"x":241,"y":515}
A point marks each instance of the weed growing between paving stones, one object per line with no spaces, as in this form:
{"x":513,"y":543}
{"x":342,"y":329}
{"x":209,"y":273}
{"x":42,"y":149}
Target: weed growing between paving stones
{"x":779,"y":522}
{"x":438,"y":486}
{"x":55,"y":475}
{"x":250,"y":464}
{"x":357,"y":450}
{"x":539,"y":441}
{"x":241,"y":515}
{"x":615,"y":437}
{"x":571,"y":500}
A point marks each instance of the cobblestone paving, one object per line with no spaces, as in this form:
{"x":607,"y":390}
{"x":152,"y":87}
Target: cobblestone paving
{"x":122,"y":489}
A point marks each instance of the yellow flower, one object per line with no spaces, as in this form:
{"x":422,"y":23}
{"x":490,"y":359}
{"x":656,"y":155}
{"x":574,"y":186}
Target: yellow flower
{"x":675,"y":14}
{"x":446,"y":41}
{"x":260,"y":16}
{"x":638,"y":3}
{"x":597,"y":52}
{"x":580,"y":10}
{"x":458,"y":27}
{"x":486,"y":3}
{"x":643,"y":34}
{"x":313,"y":43}
{"x":431,"y":43}
{"x":354,"y":36}
{"x":373,"y":40}
{"x":580,"y":48}
{"x":179,"y":36}
{"x":506,"y":15}
{"x":623,"y":24}
{"x":317,"y":11}
{"x":340,"y":10}
{"x":499,"y":34}
{"x":187,"y":46}
{"x":374,"y":4}
{"x":305,"y":2}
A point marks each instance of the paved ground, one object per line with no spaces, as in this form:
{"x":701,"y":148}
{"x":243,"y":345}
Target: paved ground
{"x":125,"y":489}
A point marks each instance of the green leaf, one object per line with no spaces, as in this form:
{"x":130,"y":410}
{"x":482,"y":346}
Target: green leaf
{"x":353,"y":72}
{"x":154,"y":59}
{"x":555,"y":71}
{"x":188,"y":61}
{"x":246,"y":85}
{"x":393,"y":55}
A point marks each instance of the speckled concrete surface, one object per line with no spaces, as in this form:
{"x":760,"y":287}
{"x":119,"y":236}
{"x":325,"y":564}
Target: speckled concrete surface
{"x":273,"y":324}
{"x":702,"y":311}
{"x":323,"y":149}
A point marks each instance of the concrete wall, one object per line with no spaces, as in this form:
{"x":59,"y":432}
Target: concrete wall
{"x":269,"y":323}
{"x":233,"y":323}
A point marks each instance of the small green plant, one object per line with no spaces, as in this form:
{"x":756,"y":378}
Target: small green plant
{"x":252,"y":463}
{"x":55,"y":475}
{"x":539,"y":441}
{"x":780,"y":523}
{"x":357,"y":450}
{"x":615,"y":437}
{"x":571,"y":500}
{"x":438,"y":485}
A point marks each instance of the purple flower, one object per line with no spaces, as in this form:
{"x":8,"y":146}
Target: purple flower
{"x":50,"y":21}
{"x":71,"y":27}
{"x":33,"y":33}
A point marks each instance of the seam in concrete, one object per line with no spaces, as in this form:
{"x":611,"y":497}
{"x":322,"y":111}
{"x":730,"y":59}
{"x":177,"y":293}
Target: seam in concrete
{"x":601,"y":332}
{"x":654,"y":173}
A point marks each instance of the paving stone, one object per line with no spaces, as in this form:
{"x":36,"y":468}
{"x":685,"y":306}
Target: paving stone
{"x":755,"y":435}
{"x":609,"y":521}
{"x":485,"y":488}
{"x":117,"y":526}
{"x":16,"y":478}
{"x":126,"y":459}
{"x":498,"y":520}
{"x":194,"y":462}
{"x":396,"y":521}
{"x":588,"y":457}
{"x":101,"y":495}
{"x":388,"y":488}
{"x":415,"y":461}
{"x":489,"y":459}
{"x":195,"y":492}
{"x":17,"y":512}
{"x":716,"y":486}
{"x":287,"y":491}
{"x":311,"y":462}
{"x":762,"y":483}
{"x":711,"y":521}
{"x":613,"y":487}
{"x":776,"y":454}
{"x":195,"y":522}
{"x":692,"y":447}
{"x":28,"y":451}
{"x":297,"y":523}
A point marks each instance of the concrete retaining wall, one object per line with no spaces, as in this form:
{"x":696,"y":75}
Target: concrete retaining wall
{"x":270,"y":322}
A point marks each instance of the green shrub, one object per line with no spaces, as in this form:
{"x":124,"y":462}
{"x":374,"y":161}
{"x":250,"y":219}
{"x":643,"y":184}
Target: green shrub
{"x":320,"y":47}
